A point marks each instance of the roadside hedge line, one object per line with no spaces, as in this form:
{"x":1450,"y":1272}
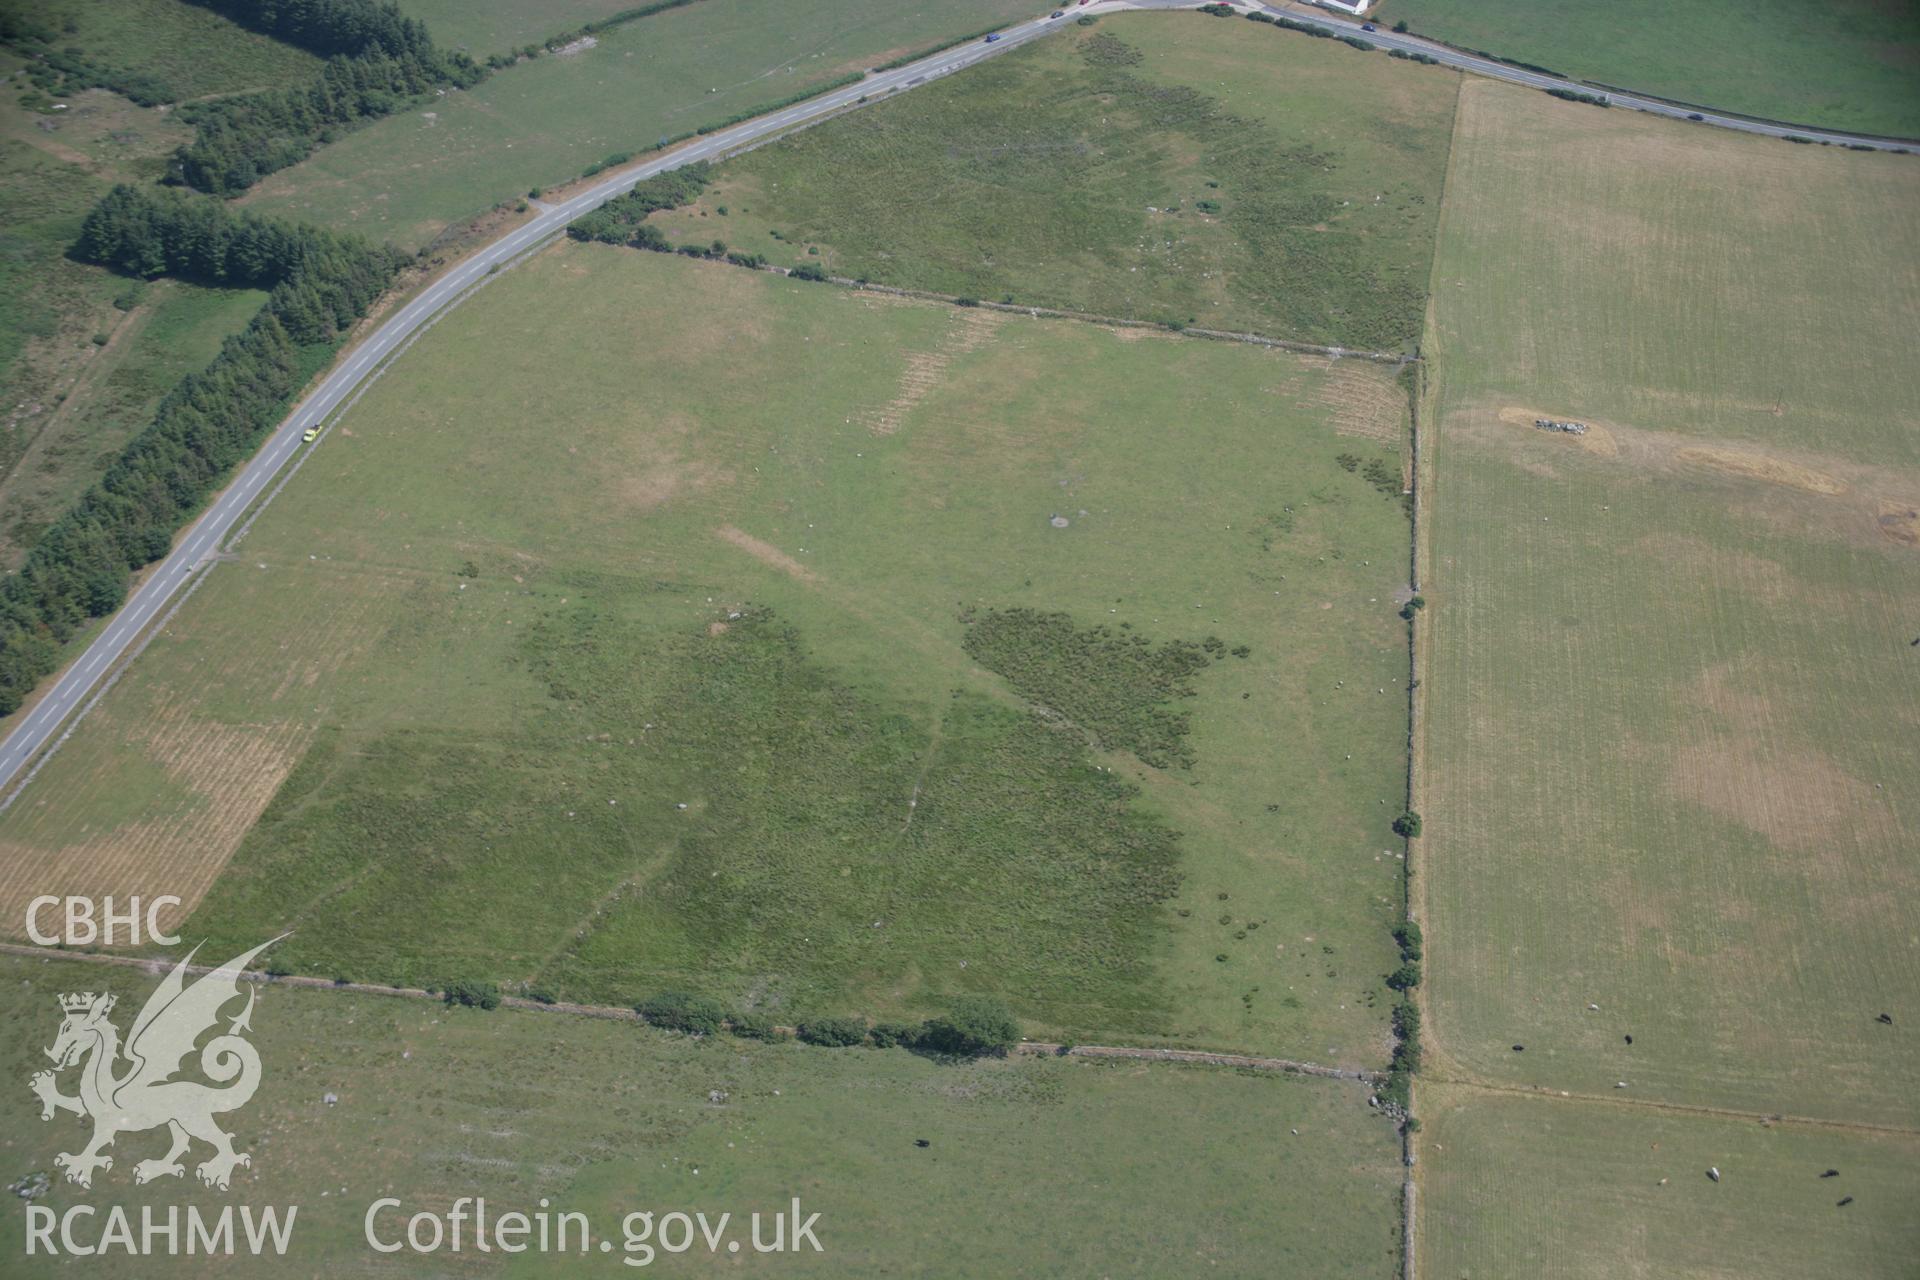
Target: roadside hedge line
{"x":768,"y":108}
{"x":1572,"y":95}
{"x":619,"y":220}
{"x":377,"y":61}
{"x":320,"y":284}
{"x":932,"y":49}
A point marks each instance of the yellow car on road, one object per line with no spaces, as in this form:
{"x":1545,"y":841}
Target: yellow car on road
{"x":313,"y":433}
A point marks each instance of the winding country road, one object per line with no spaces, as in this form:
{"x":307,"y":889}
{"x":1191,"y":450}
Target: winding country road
{"x":204,"y":539}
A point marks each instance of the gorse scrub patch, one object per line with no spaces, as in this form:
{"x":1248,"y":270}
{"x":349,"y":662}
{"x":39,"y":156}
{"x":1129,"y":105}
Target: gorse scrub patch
{"x":616,"y":221}
{"x":736,"y":822}
{"x":681,"y":1011}
{"x":1117,"y":686}
{"x":1106,"y":50}
{"x":1381,"y":474}
{"x":1071,"y":174}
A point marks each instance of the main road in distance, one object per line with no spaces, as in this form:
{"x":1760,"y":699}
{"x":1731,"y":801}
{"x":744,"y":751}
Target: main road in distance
{"x":205,"y":536}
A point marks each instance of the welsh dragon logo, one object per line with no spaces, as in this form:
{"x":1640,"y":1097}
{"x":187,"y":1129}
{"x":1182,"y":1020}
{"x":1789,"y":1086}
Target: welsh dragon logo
{"x":144,"y":1094}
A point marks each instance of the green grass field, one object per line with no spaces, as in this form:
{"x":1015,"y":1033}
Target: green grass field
{"x":195,"y":52}
{"x":1032,"y":1164}
{"x":1842,"y":64}
{"x":1514,"y":1186}
{"x":483,"y":27}
{"x":495,"y":633}
{"x":504,"y":25}
{"x":408,"y":177}
{"x":1161,"y":167}
{"x":1671,"y":766}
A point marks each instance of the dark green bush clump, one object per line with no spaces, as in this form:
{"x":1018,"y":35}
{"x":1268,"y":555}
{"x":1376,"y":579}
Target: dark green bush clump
{"x":1573,"y":96}
{"x":753,"y":1026}
{"x":472,"y":993}
{"x":833,"y":1033}
{"x":681,"y":1011}
{"x":1398,"y":1088}
{"x":903,"y":1035}
{"x":975,"y":1025}
{"x":1407,"y":824}
{"x":622,"y":220}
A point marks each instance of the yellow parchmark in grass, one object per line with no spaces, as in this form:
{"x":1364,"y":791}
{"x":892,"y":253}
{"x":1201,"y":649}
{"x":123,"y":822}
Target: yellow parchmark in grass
{"x":1759,"y":466}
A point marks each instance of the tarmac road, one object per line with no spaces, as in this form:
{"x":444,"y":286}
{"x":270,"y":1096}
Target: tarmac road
{"x":205,"y":537}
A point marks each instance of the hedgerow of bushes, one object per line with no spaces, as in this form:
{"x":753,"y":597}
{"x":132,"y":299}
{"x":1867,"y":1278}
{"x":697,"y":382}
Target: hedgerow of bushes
{"x":973,"y":1026}
{"x":472,"y":993}
{"x":1406,"y":1018}
{"x":622,"y":218}
{"x":1574,"y":95}
{"x":932,"y":49}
